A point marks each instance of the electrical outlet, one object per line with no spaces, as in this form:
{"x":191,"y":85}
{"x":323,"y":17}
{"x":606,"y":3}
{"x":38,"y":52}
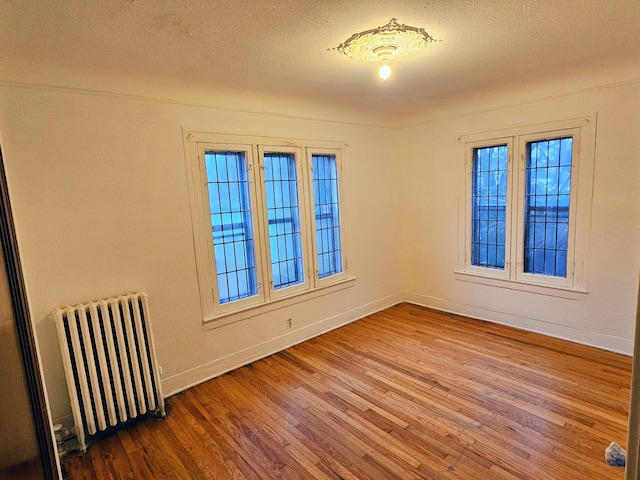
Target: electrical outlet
{"x":289,"y":323}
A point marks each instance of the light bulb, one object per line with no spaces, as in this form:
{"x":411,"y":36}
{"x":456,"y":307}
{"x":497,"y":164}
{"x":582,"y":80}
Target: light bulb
{"x":384,"y":71}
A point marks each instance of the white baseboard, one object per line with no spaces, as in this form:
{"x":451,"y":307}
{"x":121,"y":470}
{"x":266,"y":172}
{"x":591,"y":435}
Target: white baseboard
{"x":584,"y":337}
{"x":189,"y":378}
{"x":66,"y":421}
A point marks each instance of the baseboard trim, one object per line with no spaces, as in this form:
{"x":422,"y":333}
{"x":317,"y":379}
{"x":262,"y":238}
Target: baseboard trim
{"x":66,"y":421}
{"x":593,"y":339}
{"x":200,"y":374}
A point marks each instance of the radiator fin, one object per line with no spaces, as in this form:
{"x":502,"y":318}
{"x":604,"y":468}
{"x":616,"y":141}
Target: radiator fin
{"x":109,"y":360}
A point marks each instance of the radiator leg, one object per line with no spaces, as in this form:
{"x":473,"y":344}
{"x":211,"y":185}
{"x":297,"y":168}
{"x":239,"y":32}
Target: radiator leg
{"x":82,"y":442}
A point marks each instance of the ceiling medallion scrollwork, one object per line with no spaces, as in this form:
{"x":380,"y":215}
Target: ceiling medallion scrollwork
{"x":384,"y":44}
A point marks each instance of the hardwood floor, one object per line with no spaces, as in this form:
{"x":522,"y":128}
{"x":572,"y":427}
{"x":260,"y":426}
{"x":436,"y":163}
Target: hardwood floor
{"x":407,"y":393}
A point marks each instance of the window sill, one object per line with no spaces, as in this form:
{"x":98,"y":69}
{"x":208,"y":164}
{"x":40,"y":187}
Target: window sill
{"x":242,"y":314}
{"x":549,"y":290}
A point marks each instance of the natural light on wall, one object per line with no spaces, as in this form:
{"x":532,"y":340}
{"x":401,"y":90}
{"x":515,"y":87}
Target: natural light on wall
{"x":384,"y":44}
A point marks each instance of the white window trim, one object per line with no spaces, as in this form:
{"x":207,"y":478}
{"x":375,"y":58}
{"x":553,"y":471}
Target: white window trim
{"x":310,"y":151}
{"x":583,"y":131}
{"x":470,"y":146}
{"x":282,"y":302}
{"x":568,"y":281}
{"x":213,"y":314}
{"x":204,"y":248}
{"x":304,"y":223}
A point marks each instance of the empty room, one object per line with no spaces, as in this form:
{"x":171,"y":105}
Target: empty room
{"x":320,"y":239}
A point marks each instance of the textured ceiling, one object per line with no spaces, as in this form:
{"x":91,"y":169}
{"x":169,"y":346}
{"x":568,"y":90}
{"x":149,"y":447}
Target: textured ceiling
{"x":281,"y":48}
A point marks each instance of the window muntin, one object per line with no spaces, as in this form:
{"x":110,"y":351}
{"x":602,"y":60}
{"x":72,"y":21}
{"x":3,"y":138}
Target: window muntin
{"x":231,"y":224}
{"x":489,"y":206}
{"x":547,"y":200}
{"x":327,"y":214}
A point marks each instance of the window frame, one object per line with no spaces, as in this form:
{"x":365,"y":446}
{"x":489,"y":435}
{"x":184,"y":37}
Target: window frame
{"x":470,"y":150}
{"x":196,"y":143}
{"x":520,"y":274}
{"x":583,"y":132}
{"x":204,"y":243}
{"x":302,"y":212}
{"x":310,"y":152}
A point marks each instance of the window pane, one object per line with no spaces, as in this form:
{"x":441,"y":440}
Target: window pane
{"x":488,"y":206}
{"x":546,"y":223}
{"x":327,"y":213}
{"x":230,"y":208}
{"x":284,"y":219}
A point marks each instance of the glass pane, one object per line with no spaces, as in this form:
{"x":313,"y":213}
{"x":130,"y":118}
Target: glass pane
{"x":327,"y":213}
{"x":488,"y":206}
{"x":547,"y":196}
{"x":231,"y":225}
{"x":284,"y":219}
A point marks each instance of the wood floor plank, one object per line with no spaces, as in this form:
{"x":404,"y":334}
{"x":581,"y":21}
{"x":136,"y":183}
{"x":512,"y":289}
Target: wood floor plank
{"x":407,"y":393}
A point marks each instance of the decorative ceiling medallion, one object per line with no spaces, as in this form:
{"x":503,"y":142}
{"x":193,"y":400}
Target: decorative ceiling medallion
{"x":385,"y":43}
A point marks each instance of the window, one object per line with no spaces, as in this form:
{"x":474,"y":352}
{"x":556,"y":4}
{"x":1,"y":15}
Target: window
{"x":489,"y":206}
{"x":283,"y":215}
{"x":546,"y":212}
{"x":231,"y":224}
{"x":267,"y":219}
{"x":327,"y":214}
{"x":524,"y":220}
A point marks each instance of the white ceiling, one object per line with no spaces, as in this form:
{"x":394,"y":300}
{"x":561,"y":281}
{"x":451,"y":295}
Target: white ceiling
{"x":281,"y":48}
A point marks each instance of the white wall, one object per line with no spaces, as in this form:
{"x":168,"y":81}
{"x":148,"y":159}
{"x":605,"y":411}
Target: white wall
{"x":431,"y":179}
{"x":99,"y":191}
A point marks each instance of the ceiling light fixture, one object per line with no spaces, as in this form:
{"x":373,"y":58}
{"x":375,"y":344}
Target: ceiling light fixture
{"x":384,"y":44}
